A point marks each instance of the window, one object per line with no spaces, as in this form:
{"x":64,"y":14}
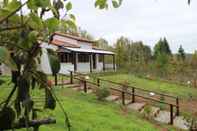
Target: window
{"x":65,"y":57}
{"x":83,"y":57}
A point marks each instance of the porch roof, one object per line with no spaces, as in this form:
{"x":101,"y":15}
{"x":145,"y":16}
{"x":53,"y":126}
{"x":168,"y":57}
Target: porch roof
{"x":82,"y":50}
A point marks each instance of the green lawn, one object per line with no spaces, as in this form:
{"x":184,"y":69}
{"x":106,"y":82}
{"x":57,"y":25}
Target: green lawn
{"x":88,"y":114}
{"x":169,"y":88}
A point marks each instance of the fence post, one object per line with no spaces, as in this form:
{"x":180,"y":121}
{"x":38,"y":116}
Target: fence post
{"x":123,"y":97}
{"x":85,"y":86}
{"x":133,"y":95}
{"x":98,"y":82}
{"x":171,"y":114}
{"x":56,"y":79}
{"x":71,"y":77}
{"x":177,"y":106}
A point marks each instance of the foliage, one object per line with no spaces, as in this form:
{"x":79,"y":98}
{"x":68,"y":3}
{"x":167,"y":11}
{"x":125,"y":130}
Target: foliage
{"x":102,"y":93}
{"x":162,"y":47}
{"x":147,"y":112}
{"x":131,"y":54}
{"x":21,"y":35}
{"x":181,"y":54}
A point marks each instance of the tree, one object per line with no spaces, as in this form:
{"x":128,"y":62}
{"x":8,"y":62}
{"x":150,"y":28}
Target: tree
{"x":193,"y":67}
{"x":181,"y":54}
{"x":102,"y":43}
{"x":20,"y":50}
{"x":162,"y":47}
{"x":121,"y":51}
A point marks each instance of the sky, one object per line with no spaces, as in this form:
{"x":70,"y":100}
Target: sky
{"x":145,"y":20}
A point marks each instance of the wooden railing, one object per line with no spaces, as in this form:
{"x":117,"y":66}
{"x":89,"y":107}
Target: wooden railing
{"x":131,"y":91}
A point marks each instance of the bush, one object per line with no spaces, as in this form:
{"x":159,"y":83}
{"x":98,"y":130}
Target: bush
{"x":102,"y":93}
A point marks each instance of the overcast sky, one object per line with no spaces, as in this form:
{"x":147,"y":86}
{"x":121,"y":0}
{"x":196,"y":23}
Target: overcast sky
{"x":145,"y":20}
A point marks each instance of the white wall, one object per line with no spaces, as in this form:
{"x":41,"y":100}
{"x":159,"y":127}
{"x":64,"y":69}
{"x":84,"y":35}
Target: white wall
{"x":44,"y":64}
{"x":108,"y":65}
{"x":85,"y":45}
{"x":66,"y":67}
{"x":83,"y":67}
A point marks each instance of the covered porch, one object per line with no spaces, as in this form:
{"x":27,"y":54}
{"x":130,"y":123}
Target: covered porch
{"x":86,"y":60}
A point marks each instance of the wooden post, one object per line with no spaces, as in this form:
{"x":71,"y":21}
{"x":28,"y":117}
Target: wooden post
{"x":71,"y":77}
{"x":85,"y":86}
{"x":103,"y":62}
{"x":75,"y":59}
{"x":56,"y":79}
{"x":177,"y":108}
{"x":171,"y":114}
{"x":133,"y":95}
{"x":98,"y":82}
{"x":114,"y":63}
{"x":91,"y":63}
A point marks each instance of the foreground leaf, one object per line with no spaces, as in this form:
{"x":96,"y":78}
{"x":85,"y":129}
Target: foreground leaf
{"x":6,"y":58}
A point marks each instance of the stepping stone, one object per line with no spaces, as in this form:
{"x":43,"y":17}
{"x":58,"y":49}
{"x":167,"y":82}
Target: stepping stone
{"x":163,"y":117}
{"x":180,"y":122}
{"x":154,"y":111}
{"x":112,"y":98}
{"x":126,"y":102}
{"x":89,"y":91}
{"x":136,"y":106}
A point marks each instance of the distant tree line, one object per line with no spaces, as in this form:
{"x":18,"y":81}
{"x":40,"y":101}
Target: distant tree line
{"x":138,"y":58}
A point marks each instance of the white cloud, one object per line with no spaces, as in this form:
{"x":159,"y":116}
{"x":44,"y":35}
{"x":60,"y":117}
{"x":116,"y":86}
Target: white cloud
{"x":145,"y":20}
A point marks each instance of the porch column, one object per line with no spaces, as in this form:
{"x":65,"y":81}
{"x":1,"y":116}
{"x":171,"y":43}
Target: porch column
{"x":75,"y":59}
{"x":114,"y":62}
{"x":91,"y":62}
{"x":103,"y":62}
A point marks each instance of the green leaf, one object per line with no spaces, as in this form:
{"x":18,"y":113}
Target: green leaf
{"x":68,"y":6}
{"x":116,"y":3}
{"x":32,"y":36}
{"x":35,"y":4}
{"x":35,"y":22}
{"x":102,"y":4}
{"x":54,"y":62}
{"x":50,"y":102}
{"x":69,"y":24}
{"x":52,"y":24}
{"x":72,"y":17}
{"x":6,"y":58}
{"x":10,"y":7}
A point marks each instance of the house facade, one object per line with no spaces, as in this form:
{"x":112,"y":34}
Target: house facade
{"x":76,"y":54}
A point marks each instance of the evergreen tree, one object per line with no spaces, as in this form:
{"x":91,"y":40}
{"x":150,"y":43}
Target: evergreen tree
{"x":166,"y":47}
{"x":181,"y":53}
{"x":162,"y":47}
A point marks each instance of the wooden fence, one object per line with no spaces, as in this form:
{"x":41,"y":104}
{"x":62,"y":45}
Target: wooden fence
{"x":130,"y":91}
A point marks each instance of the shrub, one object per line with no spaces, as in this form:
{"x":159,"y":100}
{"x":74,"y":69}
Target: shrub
{"x":147,"y":112}
{"x":102,"y":93}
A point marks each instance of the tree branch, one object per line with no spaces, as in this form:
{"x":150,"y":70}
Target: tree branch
{"x":11,"y":28}
{"x":12,"y":13}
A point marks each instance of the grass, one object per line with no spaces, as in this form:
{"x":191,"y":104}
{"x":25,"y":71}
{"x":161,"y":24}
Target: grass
{"x":87,"y":114}
{"x":164,"y":87}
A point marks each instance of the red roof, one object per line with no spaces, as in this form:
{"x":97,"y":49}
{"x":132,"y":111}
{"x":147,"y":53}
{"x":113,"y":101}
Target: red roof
{"x":63,"y":43}
{"x":74,"y":37}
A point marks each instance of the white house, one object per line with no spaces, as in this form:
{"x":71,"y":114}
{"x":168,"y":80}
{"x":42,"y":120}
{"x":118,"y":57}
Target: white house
{"x":75,"y":54}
